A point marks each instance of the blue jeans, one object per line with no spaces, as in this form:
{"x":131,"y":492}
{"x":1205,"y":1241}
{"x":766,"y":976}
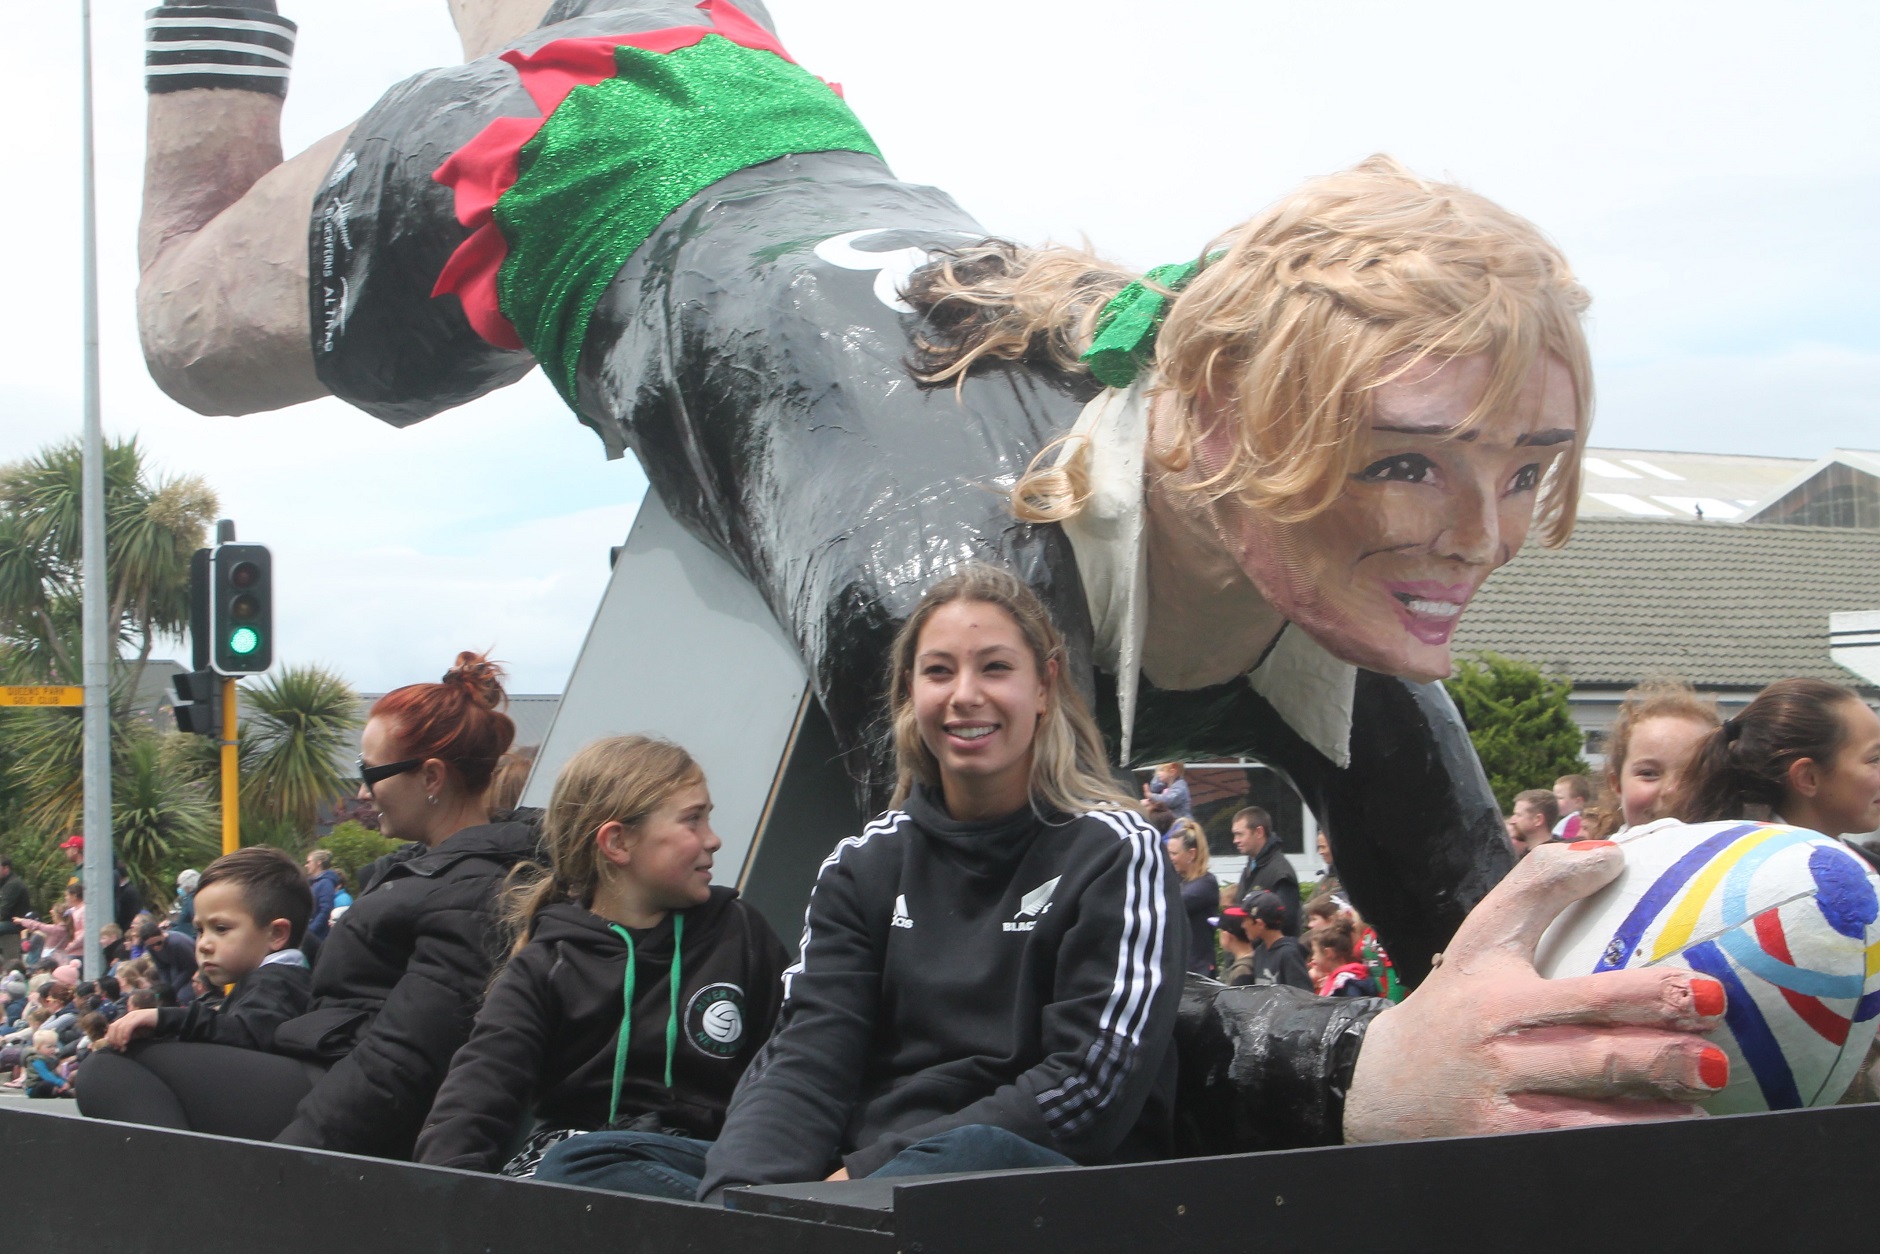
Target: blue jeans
{"x":975,"y":1147}
{"x":650,"y":1164}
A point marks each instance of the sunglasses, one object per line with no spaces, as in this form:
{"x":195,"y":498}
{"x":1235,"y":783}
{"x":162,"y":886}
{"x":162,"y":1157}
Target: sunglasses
{"x":373,"y":774}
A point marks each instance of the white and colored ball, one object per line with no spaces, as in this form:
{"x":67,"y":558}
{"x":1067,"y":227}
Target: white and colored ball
{"x":1785,"y":918}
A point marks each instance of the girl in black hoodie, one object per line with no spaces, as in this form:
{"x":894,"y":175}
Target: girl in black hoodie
{"x":636,"y":993}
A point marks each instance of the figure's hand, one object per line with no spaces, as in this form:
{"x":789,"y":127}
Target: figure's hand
{"x":128,"y":1027}
{"x":1487,"y":1045}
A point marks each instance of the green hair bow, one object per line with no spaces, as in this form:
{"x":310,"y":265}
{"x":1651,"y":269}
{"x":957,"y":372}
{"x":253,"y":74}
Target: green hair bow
{"x":1127,"y":327}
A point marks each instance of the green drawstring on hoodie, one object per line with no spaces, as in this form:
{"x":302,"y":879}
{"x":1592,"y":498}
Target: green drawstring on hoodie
{"x":626,"y":1018}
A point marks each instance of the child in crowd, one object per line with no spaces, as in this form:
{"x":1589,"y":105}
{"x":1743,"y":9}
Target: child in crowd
{"x":46,"y":1076}
{"x":251,"y":911}
{"x":16,"y":1048}
{"x":1236,"y":949}
{"x":636,"y":993}
{"x":1659,"y":726}
{"x":134,"y":974}
{"x":55,"y":934}
{"x":1336,"y":970}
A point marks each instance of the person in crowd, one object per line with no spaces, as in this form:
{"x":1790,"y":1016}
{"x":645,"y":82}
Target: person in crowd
{"x":636,"y":994}
{"x":58,"y":937}
{"x":142,"y":999}
{"x":16,"y":902}
{"x":110,"y":998}
{"x":183,"y":912}
{"x":1327,"y":881}
{"x":1268,"y":869}
{"x":1659,"y":726}
{"x":512,"y":774}
{"x":73,"y":847}
{"x":12,"y":999}
{"x":1277,"y":957}
{"x":990,"y":970}
{"x":1169,"y":785}
{"x":111,"y":944}
{"x":1572,"y":793}
{"x":1536,"y":813}
{"x":134,"y":973}
{"x":1201,"y":894}
{"x":323,"y":882}
{"x":252,"y":907}
{"x":46,"y":1075}
{"x":1804,"y":752}
{"x":399,"y":979}
{"x":1336,"y":968}
{"x":127,"y":902}
{"x":172,"y":958}
{"x":1236,"y":950}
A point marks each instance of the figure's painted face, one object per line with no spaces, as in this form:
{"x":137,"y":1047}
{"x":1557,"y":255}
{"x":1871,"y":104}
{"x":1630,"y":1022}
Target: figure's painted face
{"x":1381,"y":578}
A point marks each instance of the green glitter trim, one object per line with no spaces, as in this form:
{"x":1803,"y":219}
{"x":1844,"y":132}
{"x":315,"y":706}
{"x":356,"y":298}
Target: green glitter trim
{"x":618,"y":157}
{"x":1126,"y":329}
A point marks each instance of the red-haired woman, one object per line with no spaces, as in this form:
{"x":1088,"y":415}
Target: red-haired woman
{"x":401,"y":974}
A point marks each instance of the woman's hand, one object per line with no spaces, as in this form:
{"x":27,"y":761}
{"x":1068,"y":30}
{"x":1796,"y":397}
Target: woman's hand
{"x":129,"y":1026}
{"x":1487,"y":1045}
{"x":840,"y":1173}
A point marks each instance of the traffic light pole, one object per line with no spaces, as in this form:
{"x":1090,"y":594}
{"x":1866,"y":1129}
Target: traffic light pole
{"x":231,"y":772}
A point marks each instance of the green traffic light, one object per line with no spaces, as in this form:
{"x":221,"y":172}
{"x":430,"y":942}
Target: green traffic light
{"x":243,"y":641}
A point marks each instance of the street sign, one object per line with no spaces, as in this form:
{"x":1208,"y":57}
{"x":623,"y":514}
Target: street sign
{"x":41,"y":694}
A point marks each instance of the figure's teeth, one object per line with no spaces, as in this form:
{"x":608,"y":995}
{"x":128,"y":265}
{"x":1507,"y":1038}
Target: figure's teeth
{"x":1434,"y":609}
{"x":972,"y":733}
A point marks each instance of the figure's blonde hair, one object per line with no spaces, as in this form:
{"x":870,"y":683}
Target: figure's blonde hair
{"x":1289,"y":330}
{"x":616,"y":779}
{"x":1068,"y":762}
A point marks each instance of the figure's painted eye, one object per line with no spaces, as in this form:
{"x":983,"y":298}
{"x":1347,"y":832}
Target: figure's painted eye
{"x":1403,"y":468}
{"x":1526,"y":479}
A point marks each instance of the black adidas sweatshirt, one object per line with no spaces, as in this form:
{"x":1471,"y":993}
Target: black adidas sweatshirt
{"x":1019,"y":972}
{"x":545,"y":1040}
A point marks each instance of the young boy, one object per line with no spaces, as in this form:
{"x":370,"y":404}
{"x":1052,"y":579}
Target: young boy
{"x":251,"y":912}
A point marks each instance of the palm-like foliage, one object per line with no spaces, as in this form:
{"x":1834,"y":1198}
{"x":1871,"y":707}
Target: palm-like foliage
{"x":160,"y":821}
{"x":151,"y":527}
{"x":297,"y":728}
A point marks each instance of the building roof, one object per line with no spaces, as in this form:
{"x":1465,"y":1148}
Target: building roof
{"x":1840,"y":490}
{"x":1635,"y":483}
{"x":1719,"y":607}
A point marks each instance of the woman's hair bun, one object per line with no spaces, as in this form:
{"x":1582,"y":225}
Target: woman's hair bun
{"x":479,"y":677}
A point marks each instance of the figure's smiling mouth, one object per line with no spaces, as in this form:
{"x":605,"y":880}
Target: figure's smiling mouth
{"x":1430,"y":609}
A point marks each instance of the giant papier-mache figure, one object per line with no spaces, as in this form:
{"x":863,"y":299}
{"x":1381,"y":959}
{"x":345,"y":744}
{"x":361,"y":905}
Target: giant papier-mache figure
{"x":1256,"y":489}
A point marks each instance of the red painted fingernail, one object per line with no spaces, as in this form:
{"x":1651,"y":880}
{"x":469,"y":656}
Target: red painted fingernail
{"x":1581,"y":846}
{"x":1707,"y":997}
{"x":1713,"y":1068}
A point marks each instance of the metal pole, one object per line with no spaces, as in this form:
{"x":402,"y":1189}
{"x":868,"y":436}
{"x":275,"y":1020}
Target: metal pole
{"x":100,"y":882}
{"x":231,"y":772}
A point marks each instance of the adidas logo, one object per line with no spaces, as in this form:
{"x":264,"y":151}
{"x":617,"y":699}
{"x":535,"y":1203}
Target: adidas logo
{"x":901,"y":917}
{"x":1033,"y":906}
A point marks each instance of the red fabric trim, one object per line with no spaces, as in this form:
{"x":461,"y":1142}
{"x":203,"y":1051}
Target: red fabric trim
{"x":1830,"y":1026}
{"x":482,"y":170}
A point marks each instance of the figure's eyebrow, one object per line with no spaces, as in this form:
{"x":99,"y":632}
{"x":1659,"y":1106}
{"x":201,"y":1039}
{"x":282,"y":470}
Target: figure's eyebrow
{"x":1537,"y":439}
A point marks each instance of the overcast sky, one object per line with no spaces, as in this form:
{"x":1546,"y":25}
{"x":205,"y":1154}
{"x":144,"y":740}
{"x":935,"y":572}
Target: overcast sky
{"x":1711,"y":170}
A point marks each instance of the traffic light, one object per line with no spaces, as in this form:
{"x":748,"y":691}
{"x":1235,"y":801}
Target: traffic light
{"x":241,"y":609}
{"x":198,"y":703}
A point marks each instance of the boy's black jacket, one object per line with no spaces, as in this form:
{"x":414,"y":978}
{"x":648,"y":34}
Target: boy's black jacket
{"x":263,"y":999}
{"x":1022,"y":972}
{"x":397,"y":986}
{"x":545,"y":1040}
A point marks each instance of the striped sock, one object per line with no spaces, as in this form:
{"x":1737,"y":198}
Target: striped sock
{"x":194,"y":46}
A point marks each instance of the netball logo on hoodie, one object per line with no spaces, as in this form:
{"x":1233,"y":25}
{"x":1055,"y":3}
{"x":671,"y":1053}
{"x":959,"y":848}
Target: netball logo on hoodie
{"x":714,"y":1020}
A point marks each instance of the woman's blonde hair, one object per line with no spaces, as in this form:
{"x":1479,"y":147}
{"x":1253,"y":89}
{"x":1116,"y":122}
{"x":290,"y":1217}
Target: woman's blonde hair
{"x":1297,"y":316}
{"x":1655,"y":698}
{"x":1195,"y":841}
{"x":1068,"y":762}
{"x":617,"y":779}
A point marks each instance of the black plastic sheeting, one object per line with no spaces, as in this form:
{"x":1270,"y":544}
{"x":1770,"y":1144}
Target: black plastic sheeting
{"x":751,"y":355}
